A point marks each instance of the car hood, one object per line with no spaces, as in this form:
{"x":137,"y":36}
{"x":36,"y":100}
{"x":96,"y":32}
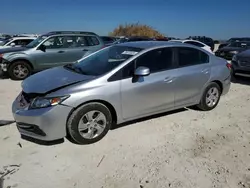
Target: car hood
{"x":227,"y":49}
{"x":51,"y":80}
{"x":244,"y":54}
{"x":12,"y":49}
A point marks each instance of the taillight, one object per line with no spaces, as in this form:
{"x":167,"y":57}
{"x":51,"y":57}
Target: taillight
{"x":229,"y":65}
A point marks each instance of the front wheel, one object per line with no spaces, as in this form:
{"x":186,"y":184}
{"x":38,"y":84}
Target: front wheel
{"x":89,"y":123}
{"x":19,"y":70}
{"x":210,"y":97}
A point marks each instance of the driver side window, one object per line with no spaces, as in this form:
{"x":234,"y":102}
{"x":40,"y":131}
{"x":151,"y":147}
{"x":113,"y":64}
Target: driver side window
{"x":156,"y":60}
{"x":54,"y":43}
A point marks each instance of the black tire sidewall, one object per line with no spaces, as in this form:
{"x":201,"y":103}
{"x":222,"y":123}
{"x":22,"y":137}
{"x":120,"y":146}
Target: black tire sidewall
{"x":203,"y":105}
{"x":13,"y":65}
{"x":73,"y":121}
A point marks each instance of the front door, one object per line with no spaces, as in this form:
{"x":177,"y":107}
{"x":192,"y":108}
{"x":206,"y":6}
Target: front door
{"x":54,"y":55}
{"x":193,"y":73}
{"x":152,"y":93}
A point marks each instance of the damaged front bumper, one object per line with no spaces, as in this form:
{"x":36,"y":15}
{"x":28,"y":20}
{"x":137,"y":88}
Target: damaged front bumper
{"x":45,"y":124}
{"x":3,"y":65}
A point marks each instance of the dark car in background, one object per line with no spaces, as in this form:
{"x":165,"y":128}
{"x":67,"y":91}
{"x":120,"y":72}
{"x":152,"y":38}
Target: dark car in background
{"x":108,"y":39}
{"x":206,"y":40}
{"x":238,"y":39}
{"x":233,"y":48}
{"x":132,"y":39}
{"x":161,"y":38}
{"x":241,"y":64}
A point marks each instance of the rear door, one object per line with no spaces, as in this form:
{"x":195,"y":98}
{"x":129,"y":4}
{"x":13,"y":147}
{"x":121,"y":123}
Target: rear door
{"x":193,"y":73}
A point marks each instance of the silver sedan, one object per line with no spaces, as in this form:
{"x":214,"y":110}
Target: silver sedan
{"x":116,"y":84}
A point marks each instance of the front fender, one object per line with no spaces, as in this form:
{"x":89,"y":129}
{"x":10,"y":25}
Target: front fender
{"x":18,"y":56}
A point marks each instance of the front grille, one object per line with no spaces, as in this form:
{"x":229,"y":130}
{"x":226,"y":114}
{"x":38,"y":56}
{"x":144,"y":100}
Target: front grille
{"x":31,"y":128}
{"x":244,"y":63}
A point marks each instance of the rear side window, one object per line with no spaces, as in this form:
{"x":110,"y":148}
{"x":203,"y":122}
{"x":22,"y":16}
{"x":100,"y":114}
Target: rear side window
{"x":190,"y":56}
{"x":195,"y":43}
{"x":92,"y":40}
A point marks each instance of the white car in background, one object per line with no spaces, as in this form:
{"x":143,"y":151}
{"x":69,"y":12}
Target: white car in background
{"x":16,"y":42}
{"x":195,"y":43}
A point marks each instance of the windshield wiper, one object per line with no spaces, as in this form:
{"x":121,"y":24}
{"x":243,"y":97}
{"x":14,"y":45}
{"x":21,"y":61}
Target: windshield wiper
{"x":75,"y":68}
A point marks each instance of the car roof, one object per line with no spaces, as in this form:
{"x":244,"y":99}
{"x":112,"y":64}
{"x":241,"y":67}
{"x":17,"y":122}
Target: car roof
{"x":23,"y":37}
{"x":69,"y":33}
{"x":152,"y":44}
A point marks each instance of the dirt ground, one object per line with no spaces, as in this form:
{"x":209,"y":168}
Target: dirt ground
{"x":185,"y":148}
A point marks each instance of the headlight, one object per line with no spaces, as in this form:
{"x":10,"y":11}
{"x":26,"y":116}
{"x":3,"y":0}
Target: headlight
{"x":234,"y":52}
{"x":234,"y":58}
{"x":47,"y":102}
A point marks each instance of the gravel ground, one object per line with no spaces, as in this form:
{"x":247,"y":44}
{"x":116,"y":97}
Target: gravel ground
{"x":185,"y":148}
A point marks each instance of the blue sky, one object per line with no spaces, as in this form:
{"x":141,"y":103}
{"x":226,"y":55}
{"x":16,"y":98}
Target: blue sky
{"x":220,"y":19}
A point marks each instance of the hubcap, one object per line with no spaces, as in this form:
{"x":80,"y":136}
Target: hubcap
{"x":212,"y":96}
{"x":20,"y":71}
{"x":92,"y":124}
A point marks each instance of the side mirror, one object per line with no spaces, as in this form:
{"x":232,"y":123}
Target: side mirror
{"x":42,"y":48}
{"x":142,"y":71}
{"x":12,"y":44}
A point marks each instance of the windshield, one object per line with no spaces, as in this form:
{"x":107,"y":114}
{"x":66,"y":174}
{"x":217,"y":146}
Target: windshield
{"x":122,"y":40}
{"x":239,"y":44}
{"x":104,"y":61}
{"x":5,"y":42}
{"x":36,"y":42}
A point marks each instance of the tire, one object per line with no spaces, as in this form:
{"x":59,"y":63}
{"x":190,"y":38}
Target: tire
{"x":78,"y":120}
{"x":19,"y":66}
{"x":203,"y":105}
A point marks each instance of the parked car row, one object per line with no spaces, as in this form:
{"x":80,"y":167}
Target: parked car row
{"x":231,"y":40}
{"x":232,"y":48}
{"x":30,"y":54}
{"x":22,"y":56}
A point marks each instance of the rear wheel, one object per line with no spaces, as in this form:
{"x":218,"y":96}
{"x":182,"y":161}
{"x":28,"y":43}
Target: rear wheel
{"x":89,"y":123}
{"x":19,"y":70}
{"x":210,"y":97}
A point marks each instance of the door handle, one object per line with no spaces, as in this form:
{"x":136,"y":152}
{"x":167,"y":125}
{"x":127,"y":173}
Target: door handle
{"x":85,"y":50}
{"x":205,"y":71}
{"x":168,"y":80}
{"x":60,"y":51}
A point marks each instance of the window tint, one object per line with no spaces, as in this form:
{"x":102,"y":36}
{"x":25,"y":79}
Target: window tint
{"x":24,"y":42}
{"x":107,"y":39}
{"x":21,"y":42}
{"x":156,"y":60}
{"x":92,"y":40}
{"x":194,"y":43}
{"x":54,"y":42}
{"x":191,"y":56}
{"x":81,"y":42}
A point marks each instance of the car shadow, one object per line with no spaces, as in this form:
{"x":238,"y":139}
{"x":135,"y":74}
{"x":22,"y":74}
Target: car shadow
{"x":149,"y":118}
{"x":6,"y":122}
{"x":43,"y":143}
{"x":241,"y":80}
